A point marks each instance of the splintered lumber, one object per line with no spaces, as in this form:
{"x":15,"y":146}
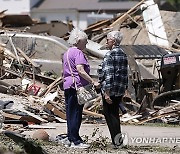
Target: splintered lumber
{"x":11,"y":42}
{"x":40,"y":127}
{"x":174,"y":109}
{"x":9,"y":54}
{"x":3,"y":89}
{"x":30,"y":117}
{"x":48,"y":89}
{"x":55,"y":109}
{"x":130,"y":118}
{"x":92,"y":114}
{"x":34,"y":118}
{"x":122,"y":18}
{"x":11,"y":72}
{"x":44,"y":79}
{"x":158,"y":116}
{"x":99,"y":24}
{"x":27,"y":58}
{"x":11,"y":116}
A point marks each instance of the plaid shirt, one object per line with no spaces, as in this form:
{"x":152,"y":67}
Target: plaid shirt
{"x":114,"y":73}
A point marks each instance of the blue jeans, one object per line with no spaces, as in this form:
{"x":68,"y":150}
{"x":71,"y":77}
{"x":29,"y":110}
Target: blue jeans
{"x":73,"y":115}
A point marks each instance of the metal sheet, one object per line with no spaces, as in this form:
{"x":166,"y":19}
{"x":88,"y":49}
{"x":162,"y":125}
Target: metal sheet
{"x":144,"y":51}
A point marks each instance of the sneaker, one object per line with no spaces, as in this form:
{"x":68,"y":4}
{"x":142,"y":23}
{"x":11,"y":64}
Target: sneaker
{"x":60,"y":137}
{"x":65,"y":141}
{"x":80,"y":146}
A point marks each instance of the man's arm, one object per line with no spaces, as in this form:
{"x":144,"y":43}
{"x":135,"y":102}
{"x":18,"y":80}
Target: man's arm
{"x":108,"y":69}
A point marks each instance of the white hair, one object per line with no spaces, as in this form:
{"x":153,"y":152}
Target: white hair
{"x":115,"y":35}
{"x":76,"y":35}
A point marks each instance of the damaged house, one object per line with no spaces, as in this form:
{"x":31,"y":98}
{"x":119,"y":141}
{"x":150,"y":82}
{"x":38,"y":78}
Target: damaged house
{"x":30,"y":63}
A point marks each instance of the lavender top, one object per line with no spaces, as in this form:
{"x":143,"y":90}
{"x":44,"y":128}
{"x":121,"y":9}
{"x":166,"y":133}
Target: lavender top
{"x":76,"y":57}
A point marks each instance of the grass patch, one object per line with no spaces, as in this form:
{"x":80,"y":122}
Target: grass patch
{"x":155,"y":149}
{"x":152,"y":124}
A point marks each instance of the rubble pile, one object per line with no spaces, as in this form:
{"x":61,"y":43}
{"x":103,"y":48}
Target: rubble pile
{"x":31,"y":66}
{"x":22,"y":74}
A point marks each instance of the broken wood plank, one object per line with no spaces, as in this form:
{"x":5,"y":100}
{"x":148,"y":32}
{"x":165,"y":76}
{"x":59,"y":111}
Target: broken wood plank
{"x":163,"y":112}
{"x":52,"y":107}
{"x":92,"y":114}
{"x":115,"y":25}
{"x":9,"y":54}
{"x":36,"y":117}
{"x":44,"y":79}
{"x":60,"y":119}
{"x":30,"y":118}
{"x":11,"y":72}
{"x":12,"y":44}
{"x":130,"y":118}
{"x":175,"y":107}
{"x":97,"y":25}
{"x":48,"y":89}
{"x":40,"y":127}
{"x":27,"y":58}
{"x":11,"y":116}
{"x":156,"y":117}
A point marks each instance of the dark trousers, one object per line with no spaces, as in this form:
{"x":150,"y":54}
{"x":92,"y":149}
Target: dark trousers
{"x":73,"y":116}
{"x":111,"y":113}
{"x":122,"y":108}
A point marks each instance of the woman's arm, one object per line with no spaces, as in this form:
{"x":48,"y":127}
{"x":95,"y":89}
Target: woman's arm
{"x":83,"y":74}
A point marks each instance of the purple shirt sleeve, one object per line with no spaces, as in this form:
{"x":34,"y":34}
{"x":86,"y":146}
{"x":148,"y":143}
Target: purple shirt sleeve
{"x":80,"y":58}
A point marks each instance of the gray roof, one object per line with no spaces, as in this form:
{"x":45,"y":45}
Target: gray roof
{"x":83,"y":5}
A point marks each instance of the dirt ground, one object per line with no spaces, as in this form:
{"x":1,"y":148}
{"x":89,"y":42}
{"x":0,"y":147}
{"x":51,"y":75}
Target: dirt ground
{"x":150,"y":138}
{"x":99,"y":139}
{"x":140,"y":139}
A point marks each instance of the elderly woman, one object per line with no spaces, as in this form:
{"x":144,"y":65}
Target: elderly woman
{"x":114,"y":82}
{"x":75,"y":71}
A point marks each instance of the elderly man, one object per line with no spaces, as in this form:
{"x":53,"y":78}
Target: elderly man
{"x":114,"y":81}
